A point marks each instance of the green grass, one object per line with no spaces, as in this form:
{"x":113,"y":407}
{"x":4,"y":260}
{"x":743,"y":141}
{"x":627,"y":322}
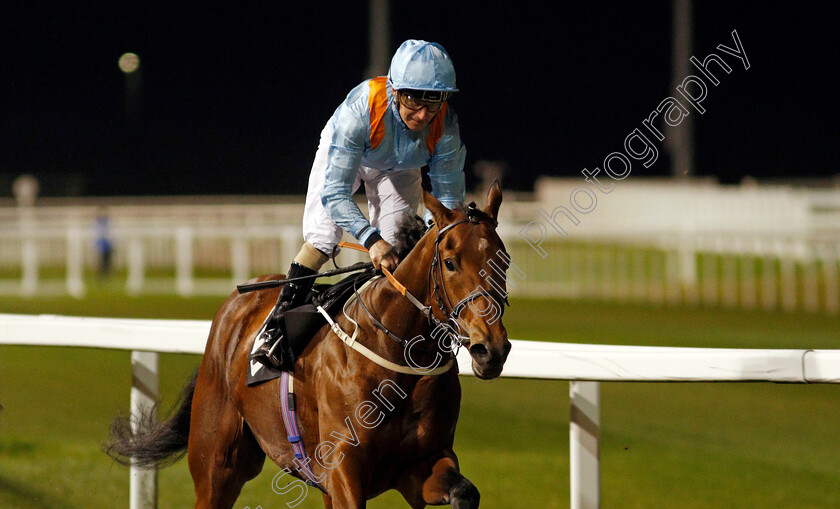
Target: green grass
{"x":663,"y":445}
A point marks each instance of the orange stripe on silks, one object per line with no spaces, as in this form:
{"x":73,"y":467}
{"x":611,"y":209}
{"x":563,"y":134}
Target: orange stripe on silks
{"x":436,"y":130}
{"x":378,"y":105}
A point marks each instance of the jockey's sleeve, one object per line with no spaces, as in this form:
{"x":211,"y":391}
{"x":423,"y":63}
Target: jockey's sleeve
{"x":343,"y":161}
{"x":446,"y":168}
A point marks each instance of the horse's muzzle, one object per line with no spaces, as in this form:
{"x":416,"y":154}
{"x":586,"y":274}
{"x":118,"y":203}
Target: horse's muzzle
{"x":487,"y":361}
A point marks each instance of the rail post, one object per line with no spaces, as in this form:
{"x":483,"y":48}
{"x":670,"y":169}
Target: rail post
{"x":135,"y":264}
{"x":184,"y":283}
{"x":584,"y":452}
{"x":144,"y":395}
{"x":239,"y":258}
{"x":75,"y":262}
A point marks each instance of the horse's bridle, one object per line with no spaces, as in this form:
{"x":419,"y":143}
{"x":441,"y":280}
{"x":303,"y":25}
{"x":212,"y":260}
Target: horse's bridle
{"x":438,"y":284}
{"x":450,"y":325}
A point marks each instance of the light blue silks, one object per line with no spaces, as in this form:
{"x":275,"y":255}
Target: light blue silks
{"x":423,"y":65}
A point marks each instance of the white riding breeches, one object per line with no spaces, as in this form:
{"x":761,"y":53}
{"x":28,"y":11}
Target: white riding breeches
{"x":390,"y":196}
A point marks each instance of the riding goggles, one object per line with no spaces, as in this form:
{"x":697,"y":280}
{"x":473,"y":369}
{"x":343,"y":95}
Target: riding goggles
{"x":414,"y":100}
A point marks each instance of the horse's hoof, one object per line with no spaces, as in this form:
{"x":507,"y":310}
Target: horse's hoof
{"x":464,"y":495}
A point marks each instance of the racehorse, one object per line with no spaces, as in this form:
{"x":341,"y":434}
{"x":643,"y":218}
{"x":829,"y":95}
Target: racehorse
{"x":369,"y":428}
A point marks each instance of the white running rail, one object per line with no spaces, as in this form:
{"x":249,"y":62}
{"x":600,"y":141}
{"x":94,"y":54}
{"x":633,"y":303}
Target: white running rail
{"x":584,"y":365}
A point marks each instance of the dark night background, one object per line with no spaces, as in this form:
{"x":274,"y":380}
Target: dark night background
{"x":234,"y":96}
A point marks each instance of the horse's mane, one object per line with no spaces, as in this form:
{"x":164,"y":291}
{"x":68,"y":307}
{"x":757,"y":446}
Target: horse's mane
{"x":409,"y":232}
{"x":412,"y":228}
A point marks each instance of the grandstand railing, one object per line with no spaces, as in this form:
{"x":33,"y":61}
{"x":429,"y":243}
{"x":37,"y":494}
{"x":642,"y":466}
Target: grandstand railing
{"x":583,"y":365}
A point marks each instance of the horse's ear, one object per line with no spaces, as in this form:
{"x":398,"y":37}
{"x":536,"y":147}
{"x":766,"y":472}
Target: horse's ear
{"x":440,"y":213}
{"x":494,"y":199}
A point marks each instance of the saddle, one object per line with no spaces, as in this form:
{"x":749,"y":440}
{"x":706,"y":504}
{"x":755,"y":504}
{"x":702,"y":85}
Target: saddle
{"x":302,"y":322}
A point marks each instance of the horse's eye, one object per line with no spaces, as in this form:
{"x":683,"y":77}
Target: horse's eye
{"x":449,"y":264}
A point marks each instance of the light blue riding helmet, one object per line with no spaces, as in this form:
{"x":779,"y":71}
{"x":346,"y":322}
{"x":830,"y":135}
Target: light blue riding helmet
{"x":424,"y":67}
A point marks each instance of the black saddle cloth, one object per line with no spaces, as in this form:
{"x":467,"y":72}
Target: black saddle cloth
{"x":302,"y":322}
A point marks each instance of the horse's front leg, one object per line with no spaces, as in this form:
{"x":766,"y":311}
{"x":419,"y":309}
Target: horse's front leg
{"x":438,"y":481}
{"x":344,"y":485}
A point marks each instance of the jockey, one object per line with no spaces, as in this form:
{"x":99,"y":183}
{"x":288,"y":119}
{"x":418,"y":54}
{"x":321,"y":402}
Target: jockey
{"x":383,"y":133}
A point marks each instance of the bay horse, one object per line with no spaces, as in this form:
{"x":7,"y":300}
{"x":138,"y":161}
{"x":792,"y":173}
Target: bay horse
{"x":370,"y":429}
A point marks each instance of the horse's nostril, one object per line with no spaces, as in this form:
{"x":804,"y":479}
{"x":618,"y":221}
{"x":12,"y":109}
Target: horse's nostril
{"x":479,"y":352}
{"x":507,"y":347}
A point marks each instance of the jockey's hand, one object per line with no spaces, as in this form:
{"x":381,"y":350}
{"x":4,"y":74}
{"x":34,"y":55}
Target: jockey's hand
{"x":382,"y":254}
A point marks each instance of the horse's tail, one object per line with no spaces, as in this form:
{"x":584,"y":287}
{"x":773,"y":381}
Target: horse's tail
{"x":154,"y":444}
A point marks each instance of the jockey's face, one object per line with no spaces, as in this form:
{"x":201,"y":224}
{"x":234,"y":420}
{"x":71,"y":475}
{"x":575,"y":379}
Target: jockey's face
{"x":415,"y":113}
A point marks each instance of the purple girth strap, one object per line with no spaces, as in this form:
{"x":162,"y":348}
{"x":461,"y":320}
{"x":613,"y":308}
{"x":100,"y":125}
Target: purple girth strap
{"x":287,"y":402}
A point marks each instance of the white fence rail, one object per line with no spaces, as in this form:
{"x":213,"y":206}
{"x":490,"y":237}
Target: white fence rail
{"x":656,"y":242}
{"x":764,"y":271}
{"x":584,"y":365}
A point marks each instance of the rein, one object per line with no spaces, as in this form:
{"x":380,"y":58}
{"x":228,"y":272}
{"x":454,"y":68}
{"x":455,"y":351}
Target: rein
{"x":373,"y":356}
{"x":425,"y":310}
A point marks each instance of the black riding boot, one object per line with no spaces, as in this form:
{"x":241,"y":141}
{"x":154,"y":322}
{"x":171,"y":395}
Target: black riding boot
{"x":275,"y":350}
